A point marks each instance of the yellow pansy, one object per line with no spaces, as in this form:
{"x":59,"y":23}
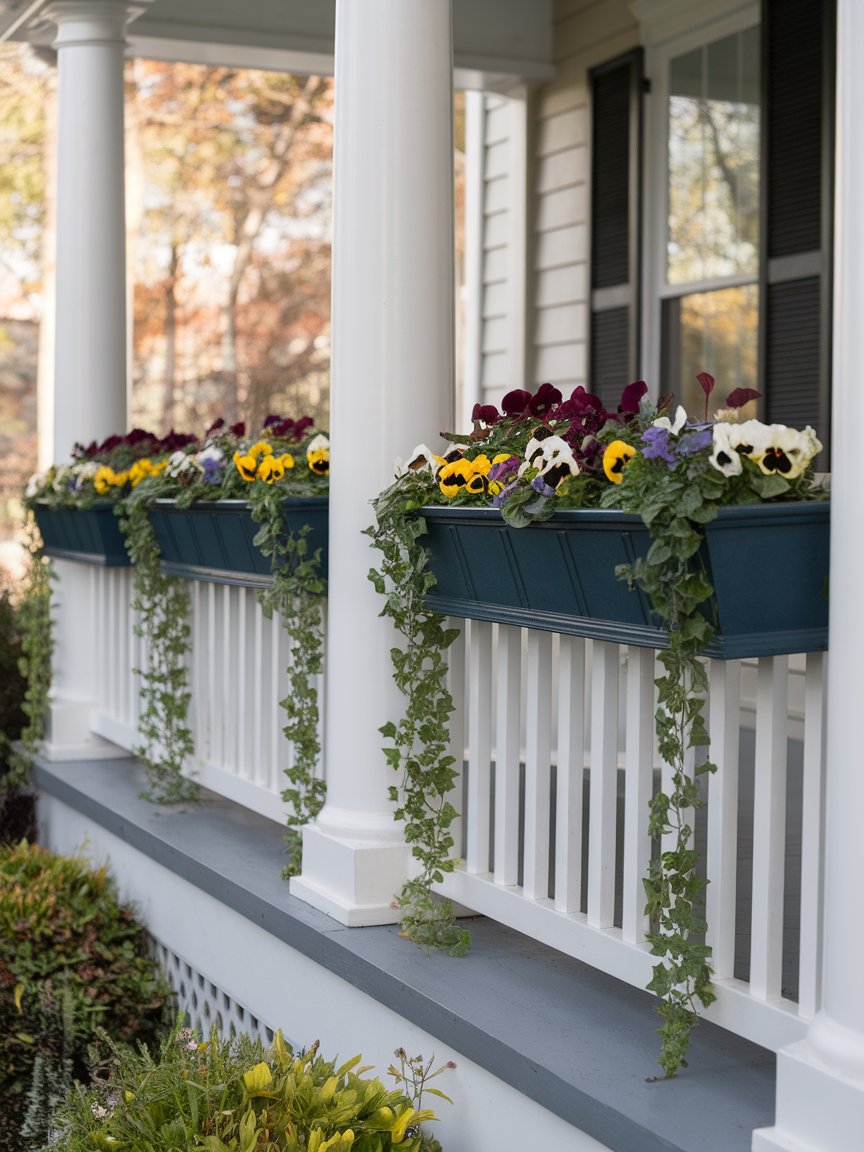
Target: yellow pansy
{"x":261,"y":448}
{"x":270,"y":469}
{"x":246,"y":464}
{"x":615,"y":458}
{"x":318,"y":455}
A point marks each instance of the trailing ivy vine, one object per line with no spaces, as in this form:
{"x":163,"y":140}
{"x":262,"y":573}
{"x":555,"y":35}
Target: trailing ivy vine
{"x":162,"y":606}
{"x":679,"y":590}
{"x":37,"y":646}
{"x":420,"y":740}
{"x":296,"y":597}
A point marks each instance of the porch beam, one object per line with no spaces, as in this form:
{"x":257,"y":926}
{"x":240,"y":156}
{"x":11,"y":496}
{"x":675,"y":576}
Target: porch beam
{"x":820,"y":1080}
{"x":391,"y":387}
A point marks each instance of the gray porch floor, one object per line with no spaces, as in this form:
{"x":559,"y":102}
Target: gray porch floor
{"x":580,"y":1043}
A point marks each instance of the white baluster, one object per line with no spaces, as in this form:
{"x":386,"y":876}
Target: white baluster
{"x":570,"y":774}
{"x":508,"y":754}
{"x":479,"y":746}
{"x":538,"y":760}
{"x":604,"y":768}
{"x":769,"y":828}
{"x":458,"y":723}
{"x":639,"y":774}
{"x":722,"y":847}
{"x":812,"y":803}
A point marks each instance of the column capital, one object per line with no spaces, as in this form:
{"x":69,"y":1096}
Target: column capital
{"x":86,"y":22}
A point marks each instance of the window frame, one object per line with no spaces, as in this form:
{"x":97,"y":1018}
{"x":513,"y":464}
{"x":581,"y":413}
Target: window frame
{"x":655,"y":200}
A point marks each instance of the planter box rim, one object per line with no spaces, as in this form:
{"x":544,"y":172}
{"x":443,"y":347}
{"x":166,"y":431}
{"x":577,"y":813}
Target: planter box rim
{"x":810,"y":509}
{"x":209,"y":505}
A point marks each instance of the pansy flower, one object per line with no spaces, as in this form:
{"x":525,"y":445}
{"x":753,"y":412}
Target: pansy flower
{"x":615,"y":459}
{"x":318,"y":455}
{"x":551,"y":456}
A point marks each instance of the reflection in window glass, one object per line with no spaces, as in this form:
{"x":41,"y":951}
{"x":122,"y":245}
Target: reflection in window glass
{"x":713,"y":225}
{"x":712,"y":332}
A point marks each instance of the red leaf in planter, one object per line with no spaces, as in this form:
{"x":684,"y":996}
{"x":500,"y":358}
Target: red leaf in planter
{"x":706,"y":383}
{"x":741,"y":396}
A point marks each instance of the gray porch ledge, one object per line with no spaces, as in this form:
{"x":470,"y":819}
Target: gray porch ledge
{"x":576,"y":1041}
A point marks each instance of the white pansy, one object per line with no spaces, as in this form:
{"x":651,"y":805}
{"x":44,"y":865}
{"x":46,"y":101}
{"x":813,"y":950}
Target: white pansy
{"x":552,"y":457}
{"x":319,"y":443}
{"x":724,"y":454}
{"x":421,"y":458}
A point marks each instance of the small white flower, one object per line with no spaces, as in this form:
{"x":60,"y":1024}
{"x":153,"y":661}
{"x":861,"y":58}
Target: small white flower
{"x":34,"y":483}
{"x":420,"y":459}
{"x":98,"y":1111}
{"x":179,"y":464}
{"x":319,"y":443}
{"x":679,"y":422}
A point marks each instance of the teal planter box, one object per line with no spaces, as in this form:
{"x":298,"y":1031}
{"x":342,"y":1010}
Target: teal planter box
{"x":768,"y":565}
{"x":213,"y":541}
{"x":87,"y":535}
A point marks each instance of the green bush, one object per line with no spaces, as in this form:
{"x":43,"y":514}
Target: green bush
{"x":72,"y":960}
{"x":236,"y":1096}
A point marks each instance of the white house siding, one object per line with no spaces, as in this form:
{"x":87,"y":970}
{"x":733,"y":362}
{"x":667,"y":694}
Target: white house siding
{"x":587,"y":33}
{"x":496,"y":249}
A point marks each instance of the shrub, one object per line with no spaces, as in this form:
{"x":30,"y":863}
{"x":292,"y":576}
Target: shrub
{"x":16,"y":811}
{"x":72,"y":960}
{"x":224,"y":1095}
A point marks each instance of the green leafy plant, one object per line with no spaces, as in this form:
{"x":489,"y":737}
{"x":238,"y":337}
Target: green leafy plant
{"x":161,"y":603}
{"x":37,"y":647}
{"x":296,"y":596}
{"x":542,"y":453}
{"x":72,"y":959}
{"x":224,"y":1095}
{"x":420,"y":740}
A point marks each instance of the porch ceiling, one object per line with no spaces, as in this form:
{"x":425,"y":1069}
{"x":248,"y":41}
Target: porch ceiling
{"x":497,"y":43}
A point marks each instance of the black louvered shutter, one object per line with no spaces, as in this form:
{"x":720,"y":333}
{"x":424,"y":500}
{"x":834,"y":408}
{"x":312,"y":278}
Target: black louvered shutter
{"x":616,"y":173}
{"x":797,"y":193}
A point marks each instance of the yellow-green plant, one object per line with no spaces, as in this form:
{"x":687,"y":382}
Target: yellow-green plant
{"x":221,"y":1095}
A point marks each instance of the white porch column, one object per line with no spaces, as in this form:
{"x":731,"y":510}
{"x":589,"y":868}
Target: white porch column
{"x":820,"y":1081}
{"x":391,"y":387}
{"x":90,"y":380}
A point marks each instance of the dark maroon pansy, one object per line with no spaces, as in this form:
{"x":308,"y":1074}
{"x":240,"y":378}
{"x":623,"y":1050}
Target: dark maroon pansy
{"x":515,"y":403}
{"x":544,"y":399}
{"x":215,"y":426}
{"x":630,"y":397}
{"x":486,"y":414}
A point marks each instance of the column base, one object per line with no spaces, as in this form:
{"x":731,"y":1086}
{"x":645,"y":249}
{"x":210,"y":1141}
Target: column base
{"x":354,"y":881}
{"x":818,"y":1109}
{"x":68,"y":735}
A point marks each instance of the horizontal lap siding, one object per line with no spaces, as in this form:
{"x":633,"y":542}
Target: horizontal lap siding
{"x":495,"y":320}
{"x":586,"y":34}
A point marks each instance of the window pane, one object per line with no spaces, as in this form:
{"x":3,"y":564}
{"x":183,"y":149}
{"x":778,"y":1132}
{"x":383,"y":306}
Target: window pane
{"x":712,"y":332}
{"x":713,"y":225}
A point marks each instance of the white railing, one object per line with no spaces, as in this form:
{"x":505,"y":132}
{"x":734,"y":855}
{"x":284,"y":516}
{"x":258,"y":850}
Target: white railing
{"x":560,"y":765}
{"x":238,"y":675}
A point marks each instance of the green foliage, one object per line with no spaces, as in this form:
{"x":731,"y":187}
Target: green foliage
{"x":13,"y":686}
{"x":72,"y":959}
{"x":37,"y":646}
{"x":419,"y":748}
{"x":296,"y":595}
{"x":162,"y":605}
{"x":236,"y":1096}
{"x":676,"y":504}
